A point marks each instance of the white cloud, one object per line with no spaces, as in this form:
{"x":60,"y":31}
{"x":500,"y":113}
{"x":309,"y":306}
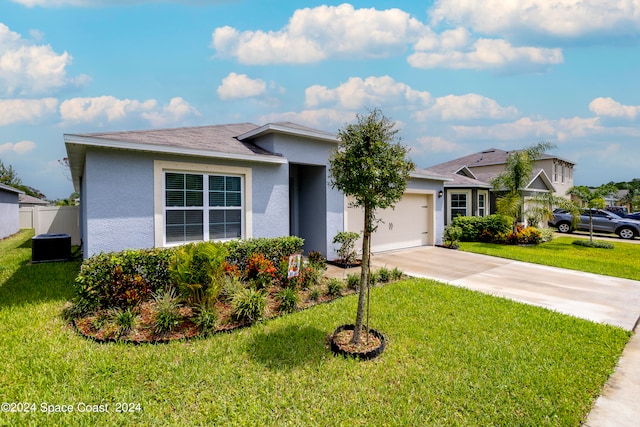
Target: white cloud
{"x":528,"y":129}
{"x":21,"y":147}
{"x":101,"y":108}
{"x":607,"y":107}
{"x":28,"y":69}
{"x":373,"y":91}
{"x":484,"y":54}
{"x":322,"y":119}
{"x":557,"y":18}
{"x":25,"y":110}
{"x":236,"y":86}
{"x":437,"y":144}
{"x":174,"y":113}
{"x":315,"y":34}
{"x":466,"y":107}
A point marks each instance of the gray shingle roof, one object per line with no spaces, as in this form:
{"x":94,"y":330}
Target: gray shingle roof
{"x":217,"y":138}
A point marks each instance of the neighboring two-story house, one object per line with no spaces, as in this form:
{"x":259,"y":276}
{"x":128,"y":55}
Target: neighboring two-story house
{"x":469,"y":192}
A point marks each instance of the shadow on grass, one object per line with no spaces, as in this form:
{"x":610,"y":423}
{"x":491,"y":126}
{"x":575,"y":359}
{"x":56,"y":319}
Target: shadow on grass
{"x":288,"y":346}
{"x":33,"y":283}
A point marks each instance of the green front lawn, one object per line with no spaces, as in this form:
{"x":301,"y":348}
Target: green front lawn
{"x":454,"y":357}
{"x":621,"y":261}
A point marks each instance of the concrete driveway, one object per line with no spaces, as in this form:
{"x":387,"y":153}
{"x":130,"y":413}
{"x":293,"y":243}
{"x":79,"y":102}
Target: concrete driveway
{"x":590,"y":296}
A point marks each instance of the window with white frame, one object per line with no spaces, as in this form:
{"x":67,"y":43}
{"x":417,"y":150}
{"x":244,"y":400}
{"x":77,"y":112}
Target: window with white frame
{"x":200,"y":206}
{"x":458,"y":204}
{"x":482,"y":204}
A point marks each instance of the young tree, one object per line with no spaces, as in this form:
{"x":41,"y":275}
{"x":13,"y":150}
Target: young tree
{"x":592,"y":199}
{"x":515,"y":178}
{"x":371,"y":167}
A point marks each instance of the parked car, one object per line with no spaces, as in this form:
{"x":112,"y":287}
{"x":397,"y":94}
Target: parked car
{"x":634,"y":215}
{"x":603,"y":221}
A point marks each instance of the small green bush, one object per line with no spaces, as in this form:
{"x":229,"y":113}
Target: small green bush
{"x":347,"y":241}
{"x":374,"y":277}
{"x":334,"y":287}
{"x":122,"y":279}
{"x":167,"y":316}
{"x":197,"y":269}
{"x":396,"y":274}
{"x":547,"y":234}
{"x":317,"y":260}
{"x":206,"y":319}
{"x":384,"y":275}
{"x":288,"y":300}
{"x":481,"y":228}
{"x":452,"y":235}
{"x":273,"y":249}
{"x":314,"y":293}
{"x":599,"y":244}
{"x":249,"y":304}
{"x":124,"y":319}
{"x":353,"y":281}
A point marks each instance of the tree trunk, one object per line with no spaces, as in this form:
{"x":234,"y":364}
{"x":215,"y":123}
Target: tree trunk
{"x":364,"y":274}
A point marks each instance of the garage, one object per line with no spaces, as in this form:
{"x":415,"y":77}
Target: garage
{"x":410,"y":224}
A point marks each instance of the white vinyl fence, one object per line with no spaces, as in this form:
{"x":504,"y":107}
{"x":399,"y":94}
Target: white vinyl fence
{"x":53,"y":220}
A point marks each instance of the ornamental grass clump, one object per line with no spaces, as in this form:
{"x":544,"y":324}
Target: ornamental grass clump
{"x":167,"y":315}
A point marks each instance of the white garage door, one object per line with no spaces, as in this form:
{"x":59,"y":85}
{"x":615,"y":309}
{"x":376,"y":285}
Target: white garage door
{"x":406,"y":226}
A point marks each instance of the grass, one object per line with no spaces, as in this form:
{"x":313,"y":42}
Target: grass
{"x":621,"y":261}
{"x":454,"y":357}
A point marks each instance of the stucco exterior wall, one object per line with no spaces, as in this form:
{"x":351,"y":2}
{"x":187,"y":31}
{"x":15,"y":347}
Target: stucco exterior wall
{"x":313,"y":153}
{"x":9,"y":213}
{"x":118,"y":198}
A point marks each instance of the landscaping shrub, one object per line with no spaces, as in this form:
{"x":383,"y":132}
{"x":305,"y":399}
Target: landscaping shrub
{"x":274,"y":249}
{"x":384,"y":275}
{"x":353,"y":281}
{"x":396,"y":274}
{"x":122,"y":279}
{"x":197,"y":269}
{"x":260,"y":271}
{"x":481,"y":228}
{"x":288,"y":300}
{"x":249,"y":304}
{"x":593,"y":244}
{"x":124,"y":320}
{"x":452,"y":235}
{"x":317,"y":260}
{"x":334,"y":287}
{"x":346,"y":251}
{"x":314,"y":293}
{"x":206,"y":319}
{"x":166,"y":316}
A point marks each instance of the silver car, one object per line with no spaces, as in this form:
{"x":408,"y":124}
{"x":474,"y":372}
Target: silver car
{"x":603,"y":222}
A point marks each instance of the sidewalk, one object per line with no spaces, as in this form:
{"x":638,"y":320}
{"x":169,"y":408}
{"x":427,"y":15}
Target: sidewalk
{"x":589,"y":296}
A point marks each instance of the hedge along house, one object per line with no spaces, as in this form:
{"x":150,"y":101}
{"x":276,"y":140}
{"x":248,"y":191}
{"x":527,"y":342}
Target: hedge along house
{"x":158,"y":188}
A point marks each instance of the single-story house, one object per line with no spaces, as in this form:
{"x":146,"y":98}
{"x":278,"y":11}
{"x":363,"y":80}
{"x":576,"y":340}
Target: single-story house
{"x":164,"y":187}
{"x":469,"y":191}
{"x":27,"y":201}
{"x":9,"y":210}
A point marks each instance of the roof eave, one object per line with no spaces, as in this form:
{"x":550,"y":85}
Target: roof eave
{"x":276,"y":128}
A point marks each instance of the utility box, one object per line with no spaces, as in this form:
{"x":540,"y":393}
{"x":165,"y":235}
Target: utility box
{"x":51,"y":247}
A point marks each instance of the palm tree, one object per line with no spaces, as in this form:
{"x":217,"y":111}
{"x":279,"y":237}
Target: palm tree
{"x":512,"y":182}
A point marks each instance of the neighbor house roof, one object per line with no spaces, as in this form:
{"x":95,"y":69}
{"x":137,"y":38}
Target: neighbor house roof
{"x":10,"y":189}
{"x":26,"y":199}
{"x":464,"y":175}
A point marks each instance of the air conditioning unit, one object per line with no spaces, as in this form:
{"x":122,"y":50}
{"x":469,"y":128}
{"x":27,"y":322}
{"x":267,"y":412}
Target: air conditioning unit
{"x":51,"y":247}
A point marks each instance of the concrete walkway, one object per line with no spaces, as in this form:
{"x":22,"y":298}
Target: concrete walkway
{"x":589,"y":296}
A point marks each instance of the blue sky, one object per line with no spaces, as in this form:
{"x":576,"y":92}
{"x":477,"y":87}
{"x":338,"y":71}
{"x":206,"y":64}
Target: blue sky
{"x":458,"y":76}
